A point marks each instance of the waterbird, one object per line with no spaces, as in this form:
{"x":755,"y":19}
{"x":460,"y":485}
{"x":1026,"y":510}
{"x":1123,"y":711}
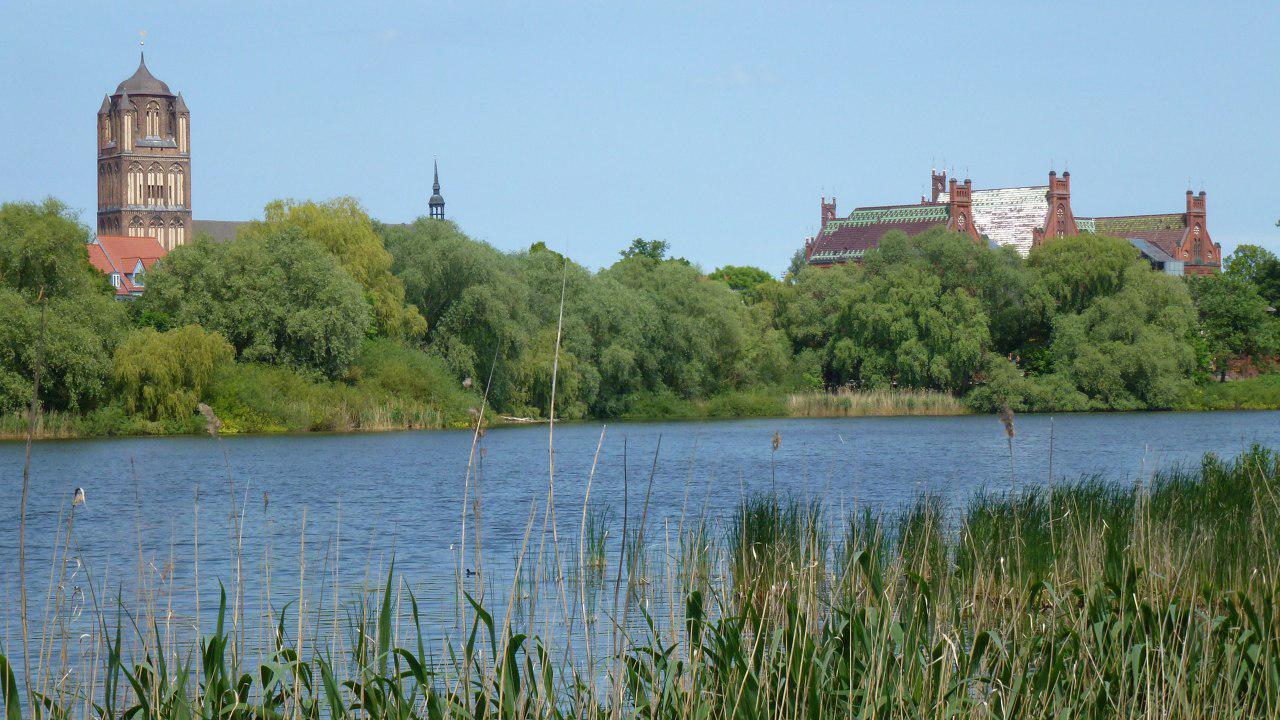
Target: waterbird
{"x":77,"y":497}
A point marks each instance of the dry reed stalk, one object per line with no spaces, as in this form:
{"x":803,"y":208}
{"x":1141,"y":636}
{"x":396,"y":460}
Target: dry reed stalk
{"x":22,"y":505}
{"x":302,"y":572}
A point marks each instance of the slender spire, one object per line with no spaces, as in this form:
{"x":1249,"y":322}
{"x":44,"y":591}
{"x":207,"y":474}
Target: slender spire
{"x":436,"y":203}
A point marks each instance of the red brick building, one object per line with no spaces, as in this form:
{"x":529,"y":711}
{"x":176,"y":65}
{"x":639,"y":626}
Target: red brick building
{"x":1018,"y":217}
{"x":144,"y":161}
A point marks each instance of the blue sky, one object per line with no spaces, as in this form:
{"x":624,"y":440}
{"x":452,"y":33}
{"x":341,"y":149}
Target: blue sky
{"x":715,"y":126}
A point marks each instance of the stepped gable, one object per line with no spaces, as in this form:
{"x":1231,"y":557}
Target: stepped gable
{"x":848,"y":239}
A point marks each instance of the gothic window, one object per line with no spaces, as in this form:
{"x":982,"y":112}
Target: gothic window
{"x":180,"y":233}
{"x":135,"y":226}
{"x":1062,"y":224}
{"x":135,"y":184}
{"x":153,"y":120}
{"x":155,"y":185}
{"x":1197,"y":230}
{"x":962,"y":223}
{"x":179,"y":189}
{"x":182,"y":134}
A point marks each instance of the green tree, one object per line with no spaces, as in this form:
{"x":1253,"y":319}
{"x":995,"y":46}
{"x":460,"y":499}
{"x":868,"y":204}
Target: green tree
{"x":655,"y":250}
{"x":42,"y":249}
{"x":80,"y":334}
{"x":902,"y":327}
{"x":1017,"y":304}
{"x":1233,"y":319}
{"x":275,"y":295}
{"x":1131,"y":349}
{"x":745,"y":280}
{"x":162,"y":375}
{"x":343,"y":228}
{"x":42,"y":245}
{"x":1075,"y":270}
{"x":1258,"y":266}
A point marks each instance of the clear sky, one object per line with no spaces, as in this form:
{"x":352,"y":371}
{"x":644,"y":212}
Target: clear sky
{"x":715,"y":126}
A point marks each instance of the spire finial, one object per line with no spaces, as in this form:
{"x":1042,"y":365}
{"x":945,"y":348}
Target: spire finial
{"x":436,"y":185}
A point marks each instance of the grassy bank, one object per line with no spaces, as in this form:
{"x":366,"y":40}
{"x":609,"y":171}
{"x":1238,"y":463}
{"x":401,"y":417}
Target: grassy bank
{"x":1257,"y":393}
{"x":1083,"y":599}
{"x":260,"y":399}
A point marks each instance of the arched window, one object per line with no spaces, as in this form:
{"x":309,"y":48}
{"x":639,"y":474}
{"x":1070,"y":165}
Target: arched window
{"x":135,"y":185}
{"x":155,"y":185}
{"x":135,"y":226}
{"x":962,"y":223}
{"x":182,"y":134}
{"x":153,"y":119}
{"x":181,"y":184}
{"x":1062,"y":221}
{"x":181,"y":236}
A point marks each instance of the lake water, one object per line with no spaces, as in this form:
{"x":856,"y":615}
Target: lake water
{"x":368,"y":496}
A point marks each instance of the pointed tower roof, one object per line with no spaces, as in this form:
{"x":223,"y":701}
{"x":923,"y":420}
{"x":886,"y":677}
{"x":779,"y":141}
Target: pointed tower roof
{"x":124,"y":103}
{"x":180,"y":105}
{"x":436,"y":198}
{"x":142,"y":82}
{"x":106,"y":105}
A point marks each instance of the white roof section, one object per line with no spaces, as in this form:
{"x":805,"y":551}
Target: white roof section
{"x":1008,"y":215}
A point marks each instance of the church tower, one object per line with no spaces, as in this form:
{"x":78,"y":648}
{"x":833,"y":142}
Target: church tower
{"x":144,"y":161}
{"x":436,"y":203}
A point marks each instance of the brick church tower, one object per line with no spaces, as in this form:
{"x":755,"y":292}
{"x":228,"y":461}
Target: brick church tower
{"x":144,"y":161}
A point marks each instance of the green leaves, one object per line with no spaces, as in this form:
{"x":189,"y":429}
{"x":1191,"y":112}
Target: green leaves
{"x":278,"y":297}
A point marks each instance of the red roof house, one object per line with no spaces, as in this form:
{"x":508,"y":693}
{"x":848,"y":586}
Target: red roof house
{"x":125,"y":261}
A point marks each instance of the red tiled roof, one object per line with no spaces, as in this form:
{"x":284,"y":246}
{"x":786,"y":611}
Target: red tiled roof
{"x":849,"y":238}
{"x":1165,"y":231}
{"x":118,"y":254}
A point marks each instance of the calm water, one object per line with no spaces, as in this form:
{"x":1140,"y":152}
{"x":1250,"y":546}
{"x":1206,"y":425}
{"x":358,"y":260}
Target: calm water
{"x":366,"y":496}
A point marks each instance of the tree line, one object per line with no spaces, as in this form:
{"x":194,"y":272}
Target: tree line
{"x":317,"y":305}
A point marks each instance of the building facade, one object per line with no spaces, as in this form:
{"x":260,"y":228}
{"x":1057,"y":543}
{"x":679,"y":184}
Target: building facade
{"x":144,"y":161}
{"x":1022,"y":218}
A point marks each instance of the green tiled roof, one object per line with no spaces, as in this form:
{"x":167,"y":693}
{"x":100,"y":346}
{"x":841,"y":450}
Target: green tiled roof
{"x":900,"y":214}
{"x":1118,"y":226}
{"x":1086,"y":225}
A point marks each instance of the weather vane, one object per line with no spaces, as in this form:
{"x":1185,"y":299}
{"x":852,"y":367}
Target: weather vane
{"x":142,"y":38}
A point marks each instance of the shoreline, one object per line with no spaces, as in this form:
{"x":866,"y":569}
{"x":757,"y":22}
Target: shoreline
{"x":11,"y":437}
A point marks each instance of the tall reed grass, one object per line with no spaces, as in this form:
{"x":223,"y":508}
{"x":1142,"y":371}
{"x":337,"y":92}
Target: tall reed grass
{"x":847,"y":402}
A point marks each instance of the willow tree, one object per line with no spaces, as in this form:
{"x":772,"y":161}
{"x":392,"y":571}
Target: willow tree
{"x":343,"y":228}
{"x":164,"y":374}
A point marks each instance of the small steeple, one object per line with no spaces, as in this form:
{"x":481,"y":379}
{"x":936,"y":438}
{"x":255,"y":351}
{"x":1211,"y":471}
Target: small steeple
{"x":180,"y":105}
{"x":436,"y":203}
{"x":106,"y":105}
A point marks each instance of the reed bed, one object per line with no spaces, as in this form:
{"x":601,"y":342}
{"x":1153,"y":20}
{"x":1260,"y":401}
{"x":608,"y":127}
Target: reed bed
{"x":847,"y":402}
{"x":1079,"y":600}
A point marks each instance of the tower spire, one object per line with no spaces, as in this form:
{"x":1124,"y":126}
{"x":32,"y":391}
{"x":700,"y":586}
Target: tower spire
{"x":436,"y":203}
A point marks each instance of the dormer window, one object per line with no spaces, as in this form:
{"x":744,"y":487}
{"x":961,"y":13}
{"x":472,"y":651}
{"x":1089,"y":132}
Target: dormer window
{"x":115,"y":280}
